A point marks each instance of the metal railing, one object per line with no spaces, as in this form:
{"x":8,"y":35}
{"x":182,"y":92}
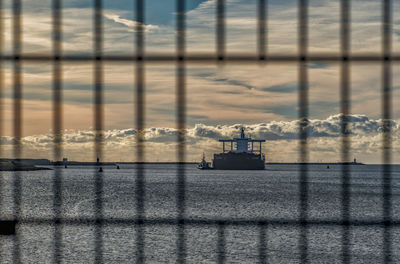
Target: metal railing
{"x":181,"y":59}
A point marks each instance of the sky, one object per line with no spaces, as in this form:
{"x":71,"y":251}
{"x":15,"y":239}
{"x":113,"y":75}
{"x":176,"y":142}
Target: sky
{"x":220,"y":98}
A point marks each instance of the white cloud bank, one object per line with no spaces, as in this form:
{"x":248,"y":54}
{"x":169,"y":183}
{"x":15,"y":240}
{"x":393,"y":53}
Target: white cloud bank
{"x":281,"y":145}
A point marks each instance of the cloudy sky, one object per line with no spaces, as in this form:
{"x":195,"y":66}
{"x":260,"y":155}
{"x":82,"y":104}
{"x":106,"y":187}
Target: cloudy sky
{"x":220,"y":99}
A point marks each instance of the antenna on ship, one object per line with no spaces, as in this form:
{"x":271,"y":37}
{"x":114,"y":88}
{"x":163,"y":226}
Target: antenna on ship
{"x":242,"y":133}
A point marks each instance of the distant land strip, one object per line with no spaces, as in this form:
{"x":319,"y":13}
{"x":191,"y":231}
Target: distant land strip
{"x":315,"y":163}
{"x":113,"y":163}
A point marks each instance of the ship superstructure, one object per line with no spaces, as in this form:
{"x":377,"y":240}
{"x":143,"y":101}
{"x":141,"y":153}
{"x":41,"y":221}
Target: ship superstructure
{"x":242,"y":154}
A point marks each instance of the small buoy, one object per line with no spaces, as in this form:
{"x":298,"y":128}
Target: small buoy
{"x":101,"y":169}
{"x":117,"y":167}
{"x":327,"y":167}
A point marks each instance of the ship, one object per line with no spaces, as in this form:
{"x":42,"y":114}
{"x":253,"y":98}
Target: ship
{"x":241,"y":155}
{"x":204,"y":165}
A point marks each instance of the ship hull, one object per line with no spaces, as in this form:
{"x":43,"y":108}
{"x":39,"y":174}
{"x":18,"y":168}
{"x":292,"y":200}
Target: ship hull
{"x":238,"y":161}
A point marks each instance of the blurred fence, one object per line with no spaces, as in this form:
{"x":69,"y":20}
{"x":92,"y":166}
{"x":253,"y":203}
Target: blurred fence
{"x":181,"y":58}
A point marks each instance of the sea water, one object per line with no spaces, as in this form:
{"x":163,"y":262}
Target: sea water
{"x":234,"y":195}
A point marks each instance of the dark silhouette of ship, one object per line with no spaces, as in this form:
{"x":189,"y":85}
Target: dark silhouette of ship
{"x":241,"y":156}
{"x":204,"y":165}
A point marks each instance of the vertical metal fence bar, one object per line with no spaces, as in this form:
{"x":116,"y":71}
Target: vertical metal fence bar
{"x":387,"y":139}
{"x":220,"y":29}
{"x":140,"y":104}
{"x":221,"y":243}
{"x":1,"y":105}
{"x":98,"y":126}
{"x":303,"y":122}
{"x":345,"y":129}
{"x":262,"y":52}
{"x":17,"y":126}
{"x":262,"y":243}
{"x":57,"y":127}
{"x":220,"y":42}
{"x":262,"y":24}
{"x":181,"y":126}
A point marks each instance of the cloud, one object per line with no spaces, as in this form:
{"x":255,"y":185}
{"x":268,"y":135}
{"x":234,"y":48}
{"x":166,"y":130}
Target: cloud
{"x":359,"y":125}
{"x":129,"y":23}
{"x":282,"y":88}
{"x":281,"y":137}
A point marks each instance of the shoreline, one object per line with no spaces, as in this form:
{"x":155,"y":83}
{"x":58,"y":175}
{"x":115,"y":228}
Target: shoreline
{"x":194,"y":163}
{"x":317,"y":163}
{"x":46,"y":162}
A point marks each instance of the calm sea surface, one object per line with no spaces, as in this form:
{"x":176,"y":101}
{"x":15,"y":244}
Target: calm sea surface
{"x":271,"y":194}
